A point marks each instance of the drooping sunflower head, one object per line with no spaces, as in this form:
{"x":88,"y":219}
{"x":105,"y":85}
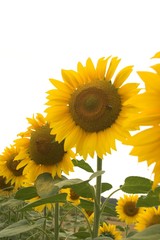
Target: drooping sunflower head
{"x":9,"y":167}
{"x":150,"y":217}
{"x":127,"y":210}
{"x":41,"y":152}
{"x":87,"y":110}
{"x":109,"y":230}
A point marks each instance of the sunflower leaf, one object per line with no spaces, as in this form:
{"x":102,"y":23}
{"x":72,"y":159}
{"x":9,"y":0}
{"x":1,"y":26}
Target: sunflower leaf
{"x":82,"y":164}
{"x":20,"y":227}
{"x":45,"y":185}
{"x":149,"y":200}
{"x":135,"y":185}
{"x":26,"y":193}
{"x":53,"y":199}
{"x":150,"y":233}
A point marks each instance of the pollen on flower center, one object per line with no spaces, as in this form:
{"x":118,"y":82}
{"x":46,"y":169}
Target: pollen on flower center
{"x":95,"y":106}
{"x":130,"y":209}
{"x":43,"y":148}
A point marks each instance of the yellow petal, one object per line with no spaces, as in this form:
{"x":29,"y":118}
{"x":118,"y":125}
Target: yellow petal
{"x":122,"y":76}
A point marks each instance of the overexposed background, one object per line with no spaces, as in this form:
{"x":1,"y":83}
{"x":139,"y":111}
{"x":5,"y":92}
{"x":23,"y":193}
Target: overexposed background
{"x":39,"y":38}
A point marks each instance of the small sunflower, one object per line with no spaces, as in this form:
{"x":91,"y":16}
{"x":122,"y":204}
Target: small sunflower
{"x":89,"y":215}
{"x":146,"y":143}
{"x":9,"y":167}
{"x":40,"y":152}
{"x":109,"y":230}
{"x":127,"y":210}
{"x":72,"y":197}
{"x":87,"y":110}
{"x":148,"y":218}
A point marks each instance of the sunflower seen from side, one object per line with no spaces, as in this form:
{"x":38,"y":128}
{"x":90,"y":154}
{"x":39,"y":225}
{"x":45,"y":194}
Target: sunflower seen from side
{"x":9,"y":168}
{"x":87,"y":109}
{"x":149,"y":217}
{"x":127,"y":210}
{"x":146,"y":143}
{"x":109,"y":230}
{"x":40,"y":152}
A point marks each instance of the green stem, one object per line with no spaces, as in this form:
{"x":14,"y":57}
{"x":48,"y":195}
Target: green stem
{"x":44,"y":225}
{"x":106,"y":200}
{"x":56,"y":221}
{"x":97,"y":203}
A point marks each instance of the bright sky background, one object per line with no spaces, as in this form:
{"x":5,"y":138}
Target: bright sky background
{"x":39,"y":38}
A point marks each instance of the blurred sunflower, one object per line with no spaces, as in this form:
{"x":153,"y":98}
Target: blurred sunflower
{"x":9,"y":167}
{"x":148,"y":218}
{"x":40,"y":152}
{"x":146,"y":143}
{"x":6,"y":189}
{"x":89,"y":215}
{"x":87,"y":110}
{"x":72,"y":196}
{"x":127,"y":210}
{"x":42,"y":207}
{"x":109,"y":230}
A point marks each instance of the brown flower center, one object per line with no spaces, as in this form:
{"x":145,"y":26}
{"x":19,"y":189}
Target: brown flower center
{"x":73,"y":195}
{"x":44,"y":149}
{"x":130,"y":209}
{"x":12,"y":166}
{"x":3,"y":185}
{"x":95,"y":106}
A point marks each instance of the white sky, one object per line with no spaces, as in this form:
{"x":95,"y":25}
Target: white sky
{"x":39,"y":38}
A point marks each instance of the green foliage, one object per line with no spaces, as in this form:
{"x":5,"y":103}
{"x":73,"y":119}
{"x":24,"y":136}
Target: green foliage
{"x":20,"y":227}
{"x":26,"y":193}
{"x":83,"y":165}
{"x":136,"y":185}
{"x":150,"y":233}
{"x":150,"y":200}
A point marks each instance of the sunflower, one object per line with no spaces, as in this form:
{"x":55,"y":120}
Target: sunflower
{"x":146,"y":143}
{"x":72,"y":196}
{"x":9,"y":167}
{"x":109,"y":230}
{"x":42,"y":207}
{"x":127,"y":210}
{"x":148,"y":218}
{"x":87,"y":110}
{"x":40,"y":152}
{"x":89,"y":215}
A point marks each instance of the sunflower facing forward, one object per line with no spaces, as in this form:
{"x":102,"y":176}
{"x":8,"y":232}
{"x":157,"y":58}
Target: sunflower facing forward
{"x":40,"y":152}
{"x":127,"y":210}
{"x":87,"y":110}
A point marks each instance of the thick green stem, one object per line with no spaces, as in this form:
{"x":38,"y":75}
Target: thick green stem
{"x":97,"y":204}
{"x":56,"y":221}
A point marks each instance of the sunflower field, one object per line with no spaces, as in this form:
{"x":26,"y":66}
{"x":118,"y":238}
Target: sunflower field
{"x":86,"y":113}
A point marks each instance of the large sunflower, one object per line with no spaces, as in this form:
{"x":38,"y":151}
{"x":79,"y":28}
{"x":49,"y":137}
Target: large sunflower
{"x":40,"y":152}
{"x":146,"y":144}
{"x":109,"y":230}
{"x":127,"y":210}
{"x":87,"y":110}
{"x":148,"y":218}
{"x":9,"y":170}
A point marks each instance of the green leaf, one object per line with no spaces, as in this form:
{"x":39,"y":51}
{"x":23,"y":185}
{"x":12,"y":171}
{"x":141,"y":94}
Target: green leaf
{"x":84,"y":189}
{"x":135,"y":185}
{"x":26,"y":193}
{"x":68,"y":183}
{"x":87,"y":205}
{"x":150,"y":233}
{"x":45,"y":185}
{"x":20,"y":227}
{"x":81,"y":235}
{"x":150,"y":200}
{"x":53,"y":199}
{"x":106,"y":187}
{"x":82,"y":164}
{"x":96,"y":174}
